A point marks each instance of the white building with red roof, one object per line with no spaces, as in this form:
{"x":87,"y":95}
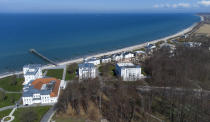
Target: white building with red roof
{"x":42,"y":90}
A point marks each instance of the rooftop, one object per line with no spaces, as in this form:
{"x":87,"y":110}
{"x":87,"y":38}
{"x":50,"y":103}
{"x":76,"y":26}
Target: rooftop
{"x":127,"y":65}
{"x":150,"y":46}
{"x":105,"y":57}
{"x":29,"y":72}
{"x":127,"y":53}
{"x":43,"y":86}
{"x":32,"y":69}
{"x":32,"y":65}
{"x":140,"y":52}
{"x":86,"y":65}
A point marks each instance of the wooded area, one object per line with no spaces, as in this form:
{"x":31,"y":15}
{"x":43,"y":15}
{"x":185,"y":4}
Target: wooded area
{"x":186,"y":68}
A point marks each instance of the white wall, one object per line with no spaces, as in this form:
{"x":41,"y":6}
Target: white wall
{"x":95,"y":62}
{"x":44,"y":99}
{"x":29,"y":78}
{"x":85,"y":73}
{"x":107,"y":60}
{"x":129,"y":73}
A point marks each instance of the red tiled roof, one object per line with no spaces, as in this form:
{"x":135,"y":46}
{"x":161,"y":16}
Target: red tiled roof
{"x":39,"y":82}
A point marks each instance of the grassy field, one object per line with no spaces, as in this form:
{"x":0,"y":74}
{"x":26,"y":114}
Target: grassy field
{"x":107,"y":70}
{"x":5,"y":113}
{"x":56,"y":73}
{"x":71,"y":71}
{"x":8,"y":83}
{"x":10,"y":99}
{"x":39,"y":110}
{"x":205,"y":29}
{"x":70,"y":76}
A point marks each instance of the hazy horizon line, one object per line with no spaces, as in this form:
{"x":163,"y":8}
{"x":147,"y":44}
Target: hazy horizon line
{"x":101,"y":12}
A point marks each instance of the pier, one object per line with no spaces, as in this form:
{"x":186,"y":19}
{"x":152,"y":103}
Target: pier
{"x":42,"y":56}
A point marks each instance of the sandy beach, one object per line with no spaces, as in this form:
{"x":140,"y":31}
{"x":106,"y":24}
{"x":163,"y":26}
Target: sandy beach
{"x":126,"y":49}
{"x":131,"y":48}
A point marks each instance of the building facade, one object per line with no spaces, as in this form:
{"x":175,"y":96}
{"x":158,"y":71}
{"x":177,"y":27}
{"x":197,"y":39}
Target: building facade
{"x":106,"y":59}
{"x":117,"y":57}
{"x":31,"y":72}
{"x":93,"y":60}
{"x":128,"y":71}
{"x":128,"y":55}
{"x":43,"y":91}
{"x":87,"y":70}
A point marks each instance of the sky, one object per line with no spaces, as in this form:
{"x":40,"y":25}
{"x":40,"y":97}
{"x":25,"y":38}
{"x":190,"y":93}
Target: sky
{"x":103,"y":6}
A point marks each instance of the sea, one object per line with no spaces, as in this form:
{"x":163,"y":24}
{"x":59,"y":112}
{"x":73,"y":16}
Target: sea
{"x":62,"y":37}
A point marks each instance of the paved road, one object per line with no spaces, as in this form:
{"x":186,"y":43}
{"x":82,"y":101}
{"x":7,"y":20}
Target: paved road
{"x":196,"y":92}
{"x":34,"y":105}
{"x":47,"y":117}
{"x":22,"y":106}
{"x":7,"y":107}
{"x":64,"y":73}
{"x":56,"y":67}
{"x":1,"y":89}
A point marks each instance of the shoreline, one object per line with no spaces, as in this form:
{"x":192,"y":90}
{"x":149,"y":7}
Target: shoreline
{"x":131,"y":48}
{"x":126,"y":49}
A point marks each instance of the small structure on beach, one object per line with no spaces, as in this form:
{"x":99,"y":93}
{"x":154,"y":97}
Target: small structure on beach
{"x":87,"y":71}
{"x":150,"y":48}
{"x":31,"y":72}
{"x":43,"y":90}
{"x":140,"y":52}
{"x":128,"y":71}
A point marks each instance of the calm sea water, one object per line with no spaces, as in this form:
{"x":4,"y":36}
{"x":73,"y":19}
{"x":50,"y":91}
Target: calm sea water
{"x":66,"y":36}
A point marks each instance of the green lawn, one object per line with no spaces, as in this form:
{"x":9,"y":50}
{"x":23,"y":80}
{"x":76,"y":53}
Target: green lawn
{"x":71,"y":71}
{"x":5,"y":113}
{"x":107,"y":70}
{"x":11,"y":83}
{"x":39,"y":110}
{"x":56,"y":73}
{"x":141,"y":49}
{"x":10,"y":99}
{"x":70,"y":76}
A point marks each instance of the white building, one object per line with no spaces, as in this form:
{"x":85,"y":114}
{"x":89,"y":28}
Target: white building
{"x":128,"y":71}
{"x":87,"y":70}
{"x":31,"y":72}
{"x":93,"y":60}
{"x":192,"y":44}
{"x":140,"y":52}
{"x":150,"y":48}
{"x":128,"y":55}
{"x":117,"y":57}
{"x":106,"y":59}
{"x":43,"y":91}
